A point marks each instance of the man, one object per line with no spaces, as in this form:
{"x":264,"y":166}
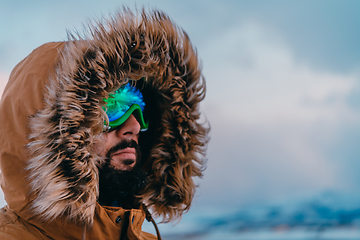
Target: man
{"x":70,"y":169}
{"x":121,"y":177}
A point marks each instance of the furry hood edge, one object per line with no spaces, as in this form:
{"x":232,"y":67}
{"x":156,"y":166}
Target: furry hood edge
{"x":150,"y":50}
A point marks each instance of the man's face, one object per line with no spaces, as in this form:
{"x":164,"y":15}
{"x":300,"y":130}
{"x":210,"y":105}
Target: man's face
{"x":121,"y":177}
{"x":120,"y":145}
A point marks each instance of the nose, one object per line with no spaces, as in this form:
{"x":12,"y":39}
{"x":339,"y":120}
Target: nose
{"x":129,"y":129}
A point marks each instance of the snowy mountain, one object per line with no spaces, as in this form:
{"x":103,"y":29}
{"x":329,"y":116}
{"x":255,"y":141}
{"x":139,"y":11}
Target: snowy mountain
{"x":327,"y":216}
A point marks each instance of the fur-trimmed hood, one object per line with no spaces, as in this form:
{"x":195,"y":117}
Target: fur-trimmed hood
{"x":53,"y":102}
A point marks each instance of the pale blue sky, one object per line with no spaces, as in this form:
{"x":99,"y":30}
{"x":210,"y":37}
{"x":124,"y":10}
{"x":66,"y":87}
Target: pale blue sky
{"x":283,"y":87}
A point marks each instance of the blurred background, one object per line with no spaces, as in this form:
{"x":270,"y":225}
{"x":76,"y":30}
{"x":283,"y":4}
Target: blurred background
{"x":283,"y":101}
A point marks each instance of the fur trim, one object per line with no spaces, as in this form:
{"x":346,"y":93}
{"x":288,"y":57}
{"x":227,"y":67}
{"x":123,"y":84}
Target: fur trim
{"x":63,"y":167}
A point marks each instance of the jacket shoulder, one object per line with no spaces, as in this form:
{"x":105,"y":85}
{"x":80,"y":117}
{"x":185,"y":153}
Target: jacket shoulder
{"x":11,"y":227}
{"x":7,"y":217}
{"x":147,"y":236}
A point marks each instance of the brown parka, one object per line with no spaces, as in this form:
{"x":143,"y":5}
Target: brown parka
{"x":51,"y":114}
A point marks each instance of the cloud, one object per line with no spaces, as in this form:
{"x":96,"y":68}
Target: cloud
{"x":256,"y":74}
{"x":2,"y":200}
{"x":3,"y":80}
{"x":271,"y":116}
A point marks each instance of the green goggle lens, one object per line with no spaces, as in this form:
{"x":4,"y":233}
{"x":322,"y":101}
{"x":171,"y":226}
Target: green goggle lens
{"x":122,"y":103}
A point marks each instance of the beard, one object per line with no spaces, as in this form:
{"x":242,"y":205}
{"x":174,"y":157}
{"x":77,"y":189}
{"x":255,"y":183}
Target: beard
{"x":119,"y":187}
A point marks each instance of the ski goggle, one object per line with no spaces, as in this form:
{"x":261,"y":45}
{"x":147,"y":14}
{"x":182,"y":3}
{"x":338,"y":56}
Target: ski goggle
{"x":121,"y":104}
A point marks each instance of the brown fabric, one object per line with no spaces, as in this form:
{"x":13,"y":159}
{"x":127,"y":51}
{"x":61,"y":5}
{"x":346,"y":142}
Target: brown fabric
{"x":22,"y":97}
{"x":26,"y":90}
{"x":13,"y":228}
{"x":51,"y":112}
{"x":105,"y":227}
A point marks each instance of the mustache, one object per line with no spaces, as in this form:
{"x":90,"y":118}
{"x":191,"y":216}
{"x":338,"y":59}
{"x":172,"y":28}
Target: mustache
{"x":122,"y":145}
